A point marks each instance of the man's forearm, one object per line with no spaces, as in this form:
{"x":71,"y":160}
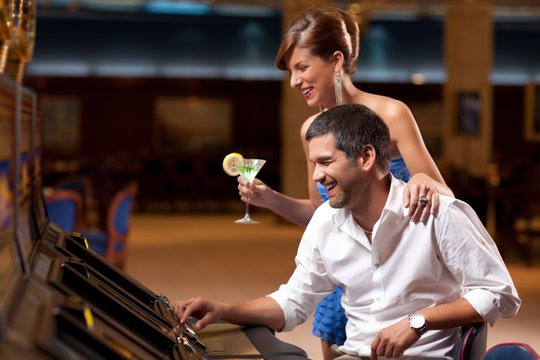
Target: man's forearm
{"x":262,"y":311}
{"x":395,"y":339}
{"x":444,"y":316}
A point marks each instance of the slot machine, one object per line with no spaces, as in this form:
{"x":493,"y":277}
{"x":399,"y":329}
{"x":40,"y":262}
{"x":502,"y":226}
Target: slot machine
{"x":11,"y":270}
{"x":59,"y":299}
{"x":74,"y":304}
{"x":40,"y":319}
{"x":74,"y":295}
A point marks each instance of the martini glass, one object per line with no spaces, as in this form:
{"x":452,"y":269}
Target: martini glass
{"x":248,"y":171}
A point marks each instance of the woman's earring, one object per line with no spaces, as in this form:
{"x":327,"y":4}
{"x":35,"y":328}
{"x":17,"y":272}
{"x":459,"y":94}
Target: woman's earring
{"x":337,"y":88}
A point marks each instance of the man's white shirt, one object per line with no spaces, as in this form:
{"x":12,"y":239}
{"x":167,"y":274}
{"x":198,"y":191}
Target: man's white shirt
{"x":407,"y":267}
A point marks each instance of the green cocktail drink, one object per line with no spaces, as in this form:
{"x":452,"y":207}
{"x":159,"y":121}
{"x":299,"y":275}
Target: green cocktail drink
{"x":248,"y":170}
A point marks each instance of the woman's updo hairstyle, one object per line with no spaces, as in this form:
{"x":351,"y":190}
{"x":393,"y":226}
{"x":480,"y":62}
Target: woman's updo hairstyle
{"x":322,"y":30}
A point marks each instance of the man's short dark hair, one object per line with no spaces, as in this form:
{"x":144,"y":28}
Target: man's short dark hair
{"x":354,"y":126}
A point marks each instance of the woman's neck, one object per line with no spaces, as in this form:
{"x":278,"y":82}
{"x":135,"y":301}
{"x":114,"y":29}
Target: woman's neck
{"x":351,"y":94}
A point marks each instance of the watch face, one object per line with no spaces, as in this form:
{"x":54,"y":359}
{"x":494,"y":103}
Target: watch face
{"x":417,"y":321}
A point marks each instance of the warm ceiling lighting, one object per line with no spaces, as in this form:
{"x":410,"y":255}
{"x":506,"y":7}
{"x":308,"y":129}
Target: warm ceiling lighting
{"x":418,"y":79}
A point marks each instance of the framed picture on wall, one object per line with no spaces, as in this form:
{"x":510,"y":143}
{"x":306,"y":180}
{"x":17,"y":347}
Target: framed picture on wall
{"x":192,"y":123}
{"x":468,"y":112}
{"x":61,"y":122}
{"x":532,"y":112}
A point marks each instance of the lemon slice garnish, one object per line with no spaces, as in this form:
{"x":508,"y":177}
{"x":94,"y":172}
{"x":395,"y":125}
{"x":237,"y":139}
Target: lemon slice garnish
{"x":231,"y":162}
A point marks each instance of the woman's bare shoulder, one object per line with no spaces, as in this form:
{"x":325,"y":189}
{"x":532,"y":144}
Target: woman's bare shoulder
{"x":393,"y":112}
{"x":386,"y":107}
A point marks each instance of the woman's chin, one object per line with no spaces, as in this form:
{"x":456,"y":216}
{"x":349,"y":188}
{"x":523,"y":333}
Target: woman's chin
{"x":313,"y":103}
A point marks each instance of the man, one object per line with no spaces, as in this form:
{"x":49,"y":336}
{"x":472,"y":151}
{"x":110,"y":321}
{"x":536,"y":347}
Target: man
{"x":407,"y":286}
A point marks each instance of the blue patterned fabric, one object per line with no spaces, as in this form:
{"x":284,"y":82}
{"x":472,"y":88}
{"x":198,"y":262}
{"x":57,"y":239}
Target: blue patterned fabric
{"x":398,"y":168}
{"x":329,"y":318}
{"x":322,"y":191}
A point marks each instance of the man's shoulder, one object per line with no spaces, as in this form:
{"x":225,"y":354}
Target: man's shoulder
{"x":325,"y":210}
{"x":456,"y":212}
{"x":448,"y":203}
{"x":325,"y":214}
{"x":325,"y":224}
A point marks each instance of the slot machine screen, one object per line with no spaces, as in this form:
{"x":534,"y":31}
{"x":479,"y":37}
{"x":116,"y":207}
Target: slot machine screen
{"x":38,"y":204}
{"x":10,"y":260}
{"x":23,"y":177}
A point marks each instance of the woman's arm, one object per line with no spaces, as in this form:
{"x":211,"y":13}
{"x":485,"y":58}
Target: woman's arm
{"x":298,"y":211}
{"x":426,"y":178}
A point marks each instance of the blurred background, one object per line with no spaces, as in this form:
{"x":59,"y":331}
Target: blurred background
{"x":158,"y":92}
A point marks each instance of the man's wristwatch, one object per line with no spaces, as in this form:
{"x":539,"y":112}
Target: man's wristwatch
{"x":418,"y":323}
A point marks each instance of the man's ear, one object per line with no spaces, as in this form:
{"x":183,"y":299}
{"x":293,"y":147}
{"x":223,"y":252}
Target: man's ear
{"x":367,"y":157}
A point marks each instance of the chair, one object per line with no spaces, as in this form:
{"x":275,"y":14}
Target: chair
{"x":513,"y":351}
{"x":473,"y":341}
{"x":111,"y":243}
{"x":82,"y":185}
{"x":64,"y":208}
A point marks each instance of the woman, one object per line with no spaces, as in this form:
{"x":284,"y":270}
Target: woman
{"x":320,"y":51}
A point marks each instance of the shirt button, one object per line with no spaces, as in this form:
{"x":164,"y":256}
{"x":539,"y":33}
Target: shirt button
{"x":378,"y":299}
{"x":376,"y":265}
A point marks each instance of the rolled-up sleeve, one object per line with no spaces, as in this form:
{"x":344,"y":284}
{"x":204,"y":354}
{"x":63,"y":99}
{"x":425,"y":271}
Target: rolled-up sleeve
{"x":289,"y":312}
{"x":307,"y":285}
{"x":492,"y":306}
{"x":473,"y":258}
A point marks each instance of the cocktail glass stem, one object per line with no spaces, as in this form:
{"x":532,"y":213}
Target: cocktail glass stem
{"x":247,"y":219}
{"x":248,"y":171}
